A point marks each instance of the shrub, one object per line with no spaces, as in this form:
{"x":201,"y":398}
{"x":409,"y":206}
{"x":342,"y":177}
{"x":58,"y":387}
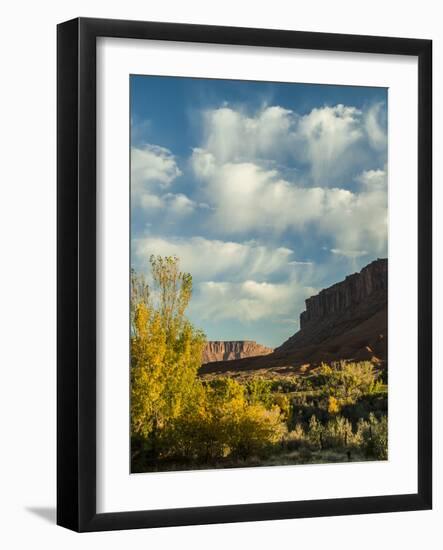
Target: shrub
{"x":315,"y":433}
{"x":333,"y":405}
{"x":223,"y":424}
{"x":347,"y":381}
{"x":195,"y":438}
{"x":373,"y":435}
{"x":295,"y":438}
{"x":259,"y":390}
{"x":255,"y":430}
{"x":284,"y":404}
{"x":338,"y":433}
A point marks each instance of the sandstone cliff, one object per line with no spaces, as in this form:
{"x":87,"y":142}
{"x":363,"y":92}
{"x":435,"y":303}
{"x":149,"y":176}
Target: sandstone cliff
{"x":229,"y":350}
{"x":342,"y":307}
{"x":356,"y":291}
{"x":348,"y":320}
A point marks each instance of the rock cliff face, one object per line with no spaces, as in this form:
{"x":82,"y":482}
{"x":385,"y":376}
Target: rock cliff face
{"x":341,"y":308}
{"x":348,"y":320}
{"x":227,"y":351}
{"x":354,"y":291}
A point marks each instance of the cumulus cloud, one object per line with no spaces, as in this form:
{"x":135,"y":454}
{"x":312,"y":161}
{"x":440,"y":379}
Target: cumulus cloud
{"x":331,"y":140}
{"x":373,"y":179}
{"x":358,"y":224}
{"x":148,"y":201}
{"x":247,"y":198}
{"x":250,"y":300}
{"x":203,"y":163}
{"x":176,"y":205}
{"x":249,"y":194}
{"x":245,"y":281}
{"x":232,"y":135}
{"x":180,"y":204}
{"x":246,"y":301}
{"x":153,"y":169}
{"x":152,"y":164}
{"x":209,"y":259}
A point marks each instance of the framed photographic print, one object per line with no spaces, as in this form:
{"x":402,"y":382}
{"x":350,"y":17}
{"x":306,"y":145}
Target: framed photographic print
{"x":244,"y":274}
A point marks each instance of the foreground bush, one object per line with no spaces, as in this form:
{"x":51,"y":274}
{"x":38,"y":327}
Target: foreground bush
{"x":374,"y":437}
{"x":224,"y":425}
{"x":347,"y":382}
{"x":370,"y":437}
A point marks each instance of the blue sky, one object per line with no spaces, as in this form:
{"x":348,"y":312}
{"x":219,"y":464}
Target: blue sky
{"x":267,"y":192}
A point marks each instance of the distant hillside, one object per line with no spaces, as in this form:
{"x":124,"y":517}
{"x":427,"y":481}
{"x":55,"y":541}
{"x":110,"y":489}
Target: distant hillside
{"x":230,"y":350}
{"x":348,"y":320}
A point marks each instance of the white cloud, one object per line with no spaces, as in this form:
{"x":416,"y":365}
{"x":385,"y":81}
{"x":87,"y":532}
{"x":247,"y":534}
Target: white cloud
{"x":249,"y":195}
{"x":153,"y":169}
{"x":250,"y":300}
{"x":373,"y":179}
{"x":149,"y":201}
{"x":234,"y":280}
{"x":173,"y":205}
{"x":360,"y":222}
{"x":231,"y":135}
{"x":248,"y":198}
{"x":328,"y":137}
{"x":179,"y":204}
{"x":332,"y":140}
{"x":209,"y":259}
{"x":243,"y":194}
{"x":152,"y":164}
{"x":203,"y":163}
{"x":375,"y":125}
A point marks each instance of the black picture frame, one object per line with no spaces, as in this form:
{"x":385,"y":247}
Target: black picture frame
{"x":76,"y":281}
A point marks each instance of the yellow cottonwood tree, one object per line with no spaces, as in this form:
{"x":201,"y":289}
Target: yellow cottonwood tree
{"x":166,"y":349}
{"x":174,"y":414}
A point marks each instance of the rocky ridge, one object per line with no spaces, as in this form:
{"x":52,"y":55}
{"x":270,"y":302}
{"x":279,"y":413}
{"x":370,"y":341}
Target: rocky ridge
{"x":230,"y":350}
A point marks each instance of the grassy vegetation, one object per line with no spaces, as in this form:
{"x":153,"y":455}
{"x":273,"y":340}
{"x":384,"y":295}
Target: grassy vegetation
{"x":334,"y":413}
